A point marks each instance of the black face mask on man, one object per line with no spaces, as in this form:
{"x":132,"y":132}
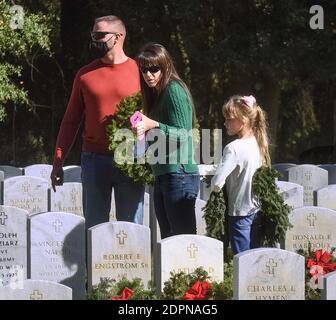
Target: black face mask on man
{"x":99,"y":48}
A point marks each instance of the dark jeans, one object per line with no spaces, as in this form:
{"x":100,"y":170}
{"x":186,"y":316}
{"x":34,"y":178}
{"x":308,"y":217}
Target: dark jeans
{"x":174,"y":200}
{"x":244,"y":232}
{"x":99,"y":176}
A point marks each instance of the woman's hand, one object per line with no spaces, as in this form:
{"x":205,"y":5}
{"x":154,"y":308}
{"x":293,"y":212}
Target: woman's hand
{"x":145,"y":124}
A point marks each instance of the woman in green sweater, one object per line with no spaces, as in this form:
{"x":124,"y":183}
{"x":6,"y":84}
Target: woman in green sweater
{"x":169,"y":117}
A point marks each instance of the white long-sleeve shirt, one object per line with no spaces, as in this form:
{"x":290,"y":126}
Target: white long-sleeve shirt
{"x":241,"y":158}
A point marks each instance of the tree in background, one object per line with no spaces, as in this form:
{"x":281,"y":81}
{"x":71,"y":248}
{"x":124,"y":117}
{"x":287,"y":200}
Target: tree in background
{"x":220,"y":47}
{"x":27,"y":29}
{"x":22,"y":36}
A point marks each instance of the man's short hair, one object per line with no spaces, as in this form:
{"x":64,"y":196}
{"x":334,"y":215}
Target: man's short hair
{"x":112,"y":19}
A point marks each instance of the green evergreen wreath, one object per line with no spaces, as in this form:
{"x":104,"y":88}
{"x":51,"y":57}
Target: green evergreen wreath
{"x":273,"y":211}
{"x":137,"y":169}
{"x":179,"y":283}
{"x":216,"y":217}
{"x":109,"y":288}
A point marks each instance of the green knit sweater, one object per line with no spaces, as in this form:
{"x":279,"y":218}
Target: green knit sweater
{"x":174,"y":112}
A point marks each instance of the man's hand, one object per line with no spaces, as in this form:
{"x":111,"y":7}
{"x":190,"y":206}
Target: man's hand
{"x":56,"y":176}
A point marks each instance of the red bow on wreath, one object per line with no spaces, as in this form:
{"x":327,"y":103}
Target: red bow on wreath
{"x":322,"y":260}
{"x":125,"y":295}
{"x":198,"y":291}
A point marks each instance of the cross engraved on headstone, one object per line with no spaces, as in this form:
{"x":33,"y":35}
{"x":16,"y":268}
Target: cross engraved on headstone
{"x":44,"y":174}
{"x":36,"y":295}
{"x":270,"y":265}
{"x":3,"y":217}
{"x":121,"y":237}
{"x":311,"y":219}
{"x":192,"y":249}
{"x":296,"y":176}
{"x":73,"y":196}
{"x":288,"y":193}
{"x":308,"y":175}
{"x":57,"y":225}
{"x":25,"y":187}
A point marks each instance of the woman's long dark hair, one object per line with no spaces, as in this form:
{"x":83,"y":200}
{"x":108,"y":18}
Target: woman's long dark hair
{"x":153,"y":54}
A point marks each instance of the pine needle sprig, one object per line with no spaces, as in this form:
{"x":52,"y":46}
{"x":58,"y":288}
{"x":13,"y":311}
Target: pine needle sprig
{"x":136,"y":168}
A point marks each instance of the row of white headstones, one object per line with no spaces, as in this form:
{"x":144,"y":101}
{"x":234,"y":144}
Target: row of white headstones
{"x":48,"y":249}
{"x":302,"y":185}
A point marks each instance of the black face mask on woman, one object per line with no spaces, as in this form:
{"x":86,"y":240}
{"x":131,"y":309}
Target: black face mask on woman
{"x":99,"y":48}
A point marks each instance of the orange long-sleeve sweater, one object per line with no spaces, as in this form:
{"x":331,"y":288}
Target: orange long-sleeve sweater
{"x":96,"y":91}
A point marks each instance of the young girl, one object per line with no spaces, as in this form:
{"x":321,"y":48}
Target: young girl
{"x":241,"y":158}
{"x":168,"y":107}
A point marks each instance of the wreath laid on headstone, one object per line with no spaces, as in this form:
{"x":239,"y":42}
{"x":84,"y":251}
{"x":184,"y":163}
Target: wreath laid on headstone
{"x":134,"y":167}
{"x":124,"y":289}
{"x":318,"y":263}
{"x":273,"y":211}
{"x":196,"y":285}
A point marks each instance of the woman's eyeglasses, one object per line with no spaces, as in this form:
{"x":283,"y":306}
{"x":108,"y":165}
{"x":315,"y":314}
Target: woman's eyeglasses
{"x":99,"y":35}
{"x":151,"y":69}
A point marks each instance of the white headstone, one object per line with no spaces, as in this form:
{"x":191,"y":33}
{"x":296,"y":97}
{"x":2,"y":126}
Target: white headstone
{"x":326,"y":197}
{"x":313,"y":225}
{"x":331,"y":168}
{"x":13,"y":245}
{"x":146,"y":209}
{"x":292,"y":193}
{"x":282,"y":168}
{"x":36,"y":290}
{"x":57,"y":251}
{"x":28,"y":193}
{"x":205,"y":190}
{"x":39,"y":170}
{"x":186,"y":253}
{"x":311,"y":178}
{"x":72,"y":174}
{"x":204,"y":171}
{"x":328,"y":291}
{"x":2,"y":178}
{"x":117,"y":250}
{"x":113,"y":216}
{"x":67,"y":198}
{"x":11,"y":171}
{"x":268,"y":274}
{"x":200,"y":221}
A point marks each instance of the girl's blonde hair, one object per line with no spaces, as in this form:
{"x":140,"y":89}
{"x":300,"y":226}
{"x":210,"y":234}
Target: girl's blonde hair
{"x":250,"y":113}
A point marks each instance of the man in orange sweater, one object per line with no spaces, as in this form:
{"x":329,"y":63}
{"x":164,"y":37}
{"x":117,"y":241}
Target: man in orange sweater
{"x":98,"y":87}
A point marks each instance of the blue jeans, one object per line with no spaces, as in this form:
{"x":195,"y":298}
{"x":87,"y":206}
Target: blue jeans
{"x":174,"y":201}
{"x":99,"y":176}
{"x":244,"y":232}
